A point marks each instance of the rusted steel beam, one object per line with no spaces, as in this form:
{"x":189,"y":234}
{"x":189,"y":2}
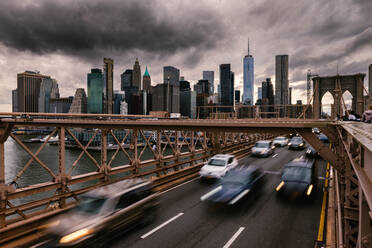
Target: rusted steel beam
{"x":324,"y":151}
{"x":5,"y":130}
{"x":19,"y":142}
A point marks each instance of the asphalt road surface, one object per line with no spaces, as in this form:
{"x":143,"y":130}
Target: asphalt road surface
{"x":264,"y":221}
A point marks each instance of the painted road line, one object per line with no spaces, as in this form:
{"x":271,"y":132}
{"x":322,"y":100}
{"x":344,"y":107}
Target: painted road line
{"x":235,"y":236}
{"x":161,"y":226}
{"x":272,"y":172}
{"x":275,"y":155}
{"x":322,"y":213}
{"x":175,"y":187}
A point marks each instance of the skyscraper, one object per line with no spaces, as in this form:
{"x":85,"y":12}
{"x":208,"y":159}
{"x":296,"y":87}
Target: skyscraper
{"x":185,"y":98}
{"x":281,"y":79}
{"x":146,"y":81}
{"x":209,"y":75}
{"x":126,"y":79}
{"x":166,"y":99}
{"x":290,"y":96}
{"x":173,"y":74}
{"x":227,"y":86}
{"x":28,"y":89}
{"x":202,"y":87}
{"x":79,"y":104}
{"x":237,"y":96}
{"x":109,"y":85}
{"x":15,"y":100}
{"x":259,"y":93}
{"x":95,"y":91}
{"x":136,"y":77}
{"x":248,"y":78}
{"x":48,"y":89}
{"x":267,"y":92}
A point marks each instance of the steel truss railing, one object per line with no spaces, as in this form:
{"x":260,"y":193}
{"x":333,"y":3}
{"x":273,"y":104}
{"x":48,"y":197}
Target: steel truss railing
{"x":171,"y":159}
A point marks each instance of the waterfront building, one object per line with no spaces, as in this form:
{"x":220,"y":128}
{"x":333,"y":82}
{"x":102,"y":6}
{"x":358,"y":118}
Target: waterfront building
{"x":227,"y":87}
{"x":28,"y":89}
{"x":60,"y":105}
{"x":95,"y":91}
{"x":248,"y":78}
{"x":109,"y":85}
{"x":136,"y":76}
{"x":48,"y":89}
{"x":15,"y":100}
{"x":209,"y":75}
{"x":79,"y":103}
{"x":119,"y":97}
{"x":171,"y":75}
{"x":146,"y":81}
{"x":281,"y":80}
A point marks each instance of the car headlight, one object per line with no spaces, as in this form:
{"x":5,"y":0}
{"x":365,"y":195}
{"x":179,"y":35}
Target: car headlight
{"x":308,"y":151}
{"x":281,"y":184}
{"x":289,"y":143}
{"x":308,"y":192}
{"x":302,"y":144}
{"x":75,"y":235}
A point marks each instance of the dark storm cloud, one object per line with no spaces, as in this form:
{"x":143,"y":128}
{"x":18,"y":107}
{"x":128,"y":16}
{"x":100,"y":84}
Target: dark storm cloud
{"x":80,"y":28}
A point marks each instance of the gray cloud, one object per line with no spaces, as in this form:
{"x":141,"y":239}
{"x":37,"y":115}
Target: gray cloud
{"x":91,"y":28}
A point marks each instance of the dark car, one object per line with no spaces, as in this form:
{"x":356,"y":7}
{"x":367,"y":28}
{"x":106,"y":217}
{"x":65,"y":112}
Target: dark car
{"x":316,"y":130}
{"x":102,"y":214}
{"x":236,"y":185}
{"x":323,"y":138}
{"x":296,"y":142}
{"x":311,"y":152}
{"x":298,"y":178}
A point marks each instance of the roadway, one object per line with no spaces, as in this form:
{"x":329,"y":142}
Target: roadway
{"x":265,"y":221}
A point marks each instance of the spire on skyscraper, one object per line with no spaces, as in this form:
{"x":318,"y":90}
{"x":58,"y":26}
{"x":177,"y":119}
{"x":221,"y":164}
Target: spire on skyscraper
{"x":146,"y":73}
{"x":248,"y":46}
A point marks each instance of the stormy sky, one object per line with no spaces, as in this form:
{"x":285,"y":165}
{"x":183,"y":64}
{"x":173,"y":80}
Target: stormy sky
{"x":66,"y":38}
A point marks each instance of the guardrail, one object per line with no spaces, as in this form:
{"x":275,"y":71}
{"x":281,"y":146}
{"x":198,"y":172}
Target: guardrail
{"x":166,"y":170}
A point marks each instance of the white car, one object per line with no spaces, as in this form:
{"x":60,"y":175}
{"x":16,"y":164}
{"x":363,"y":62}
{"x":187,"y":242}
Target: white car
{"x":218,"y":165}
{"x":263,"y":148}
{"x":280,"y":141}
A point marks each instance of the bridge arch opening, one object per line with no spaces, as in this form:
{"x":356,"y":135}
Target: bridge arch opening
{"x":348,"y":99}
{"x":326,"y":104}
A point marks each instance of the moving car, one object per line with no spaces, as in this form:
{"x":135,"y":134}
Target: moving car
{"x":311,"y":152}
{"x":316,"y":130}
{"x":218,"y":165}
{"x":296,"y":142}
{"x":236,"y":185}
{"x":323,"y":138}
{"x":102,"y":214}
{"x":280,"y":141}
{"x":298,"y":178}
{"x":263,"y":148}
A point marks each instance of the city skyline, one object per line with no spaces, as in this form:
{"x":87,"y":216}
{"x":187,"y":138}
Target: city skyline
{"x":318,"y":44}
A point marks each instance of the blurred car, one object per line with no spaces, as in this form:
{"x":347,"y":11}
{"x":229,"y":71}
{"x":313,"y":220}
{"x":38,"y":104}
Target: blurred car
{"x":263,"y":148}
{"x":102,"y":213}
{"x":298,"y":178}
{"x":316,"y":130}
{"x":323,"y":138}
{"x":280,"y":141}
{"x":218,"y":165}
{"x":311,"y":152}
{"x":236,"y":185}
{"x":296,"y":142}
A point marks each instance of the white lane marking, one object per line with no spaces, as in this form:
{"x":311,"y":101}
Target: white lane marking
{"x":275,"y":155}
{"x":272,"y":172}
{"x":160,"y":226}
{"x":175,"y":187}
{"x":302,"y":156}
{"x":229,"y":243}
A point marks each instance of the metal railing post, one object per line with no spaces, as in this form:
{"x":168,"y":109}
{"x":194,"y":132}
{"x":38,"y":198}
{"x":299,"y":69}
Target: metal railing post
{"x":62,"y":166}
{"x":3,"y":192}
